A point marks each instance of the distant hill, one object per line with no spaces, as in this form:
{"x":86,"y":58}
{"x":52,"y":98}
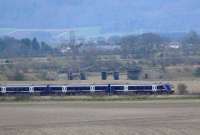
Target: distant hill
{"x":51,"y":35}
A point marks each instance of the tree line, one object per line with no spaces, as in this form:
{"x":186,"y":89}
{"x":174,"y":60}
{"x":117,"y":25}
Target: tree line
{"x":11,"y":47}
{"x":147,"y":46}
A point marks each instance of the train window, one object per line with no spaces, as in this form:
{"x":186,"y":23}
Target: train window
{"x":40,"y":88}
{"x":56,"y":88}
{"x":17,"y":89}
{"x":71,"y":88}
{"x":0,"y":89}
{"x":132,"y":88}
{"x":101,"y":87}
{"x":160,"y":87}
{"x":78,"y":88}
{"x":117,"y":87}
{"x":85,"y":88}
{"x":140,"y":87}
{"x":148,"y":87}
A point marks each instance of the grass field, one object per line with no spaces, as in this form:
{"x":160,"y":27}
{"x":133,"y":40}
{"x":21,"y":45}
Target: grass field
{"x":101,"y":118}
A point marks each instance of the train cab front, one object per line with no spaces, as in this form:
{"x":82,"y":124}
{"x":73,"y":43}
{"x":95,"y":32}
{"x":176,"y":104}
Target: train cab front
{"x":169,"y":88}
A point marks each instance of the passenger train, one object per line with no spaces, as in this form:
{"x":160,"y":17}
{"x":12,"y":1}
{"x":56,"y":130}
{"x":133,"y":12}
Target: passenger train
{"x":107,"y":89}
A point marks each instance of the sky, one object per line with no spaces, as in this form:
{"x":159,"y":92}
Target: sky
{"x":111,"y":15}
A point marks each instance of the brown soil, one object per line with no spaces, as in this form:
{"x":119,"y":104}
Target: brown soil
{"x":101,"y":118}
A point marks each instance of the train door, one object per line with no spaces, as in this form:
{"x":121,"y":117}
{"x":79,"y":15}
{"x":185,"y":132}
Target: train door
{"x":126,"y":88}
{"x":48,"y":90}
{"x":31,"y":90}
{"x":154,"y":88}
{"x":92,"y":89}
{"x":109,"y":90}
{"x":64,"y":90}
{"x":4,"y":90}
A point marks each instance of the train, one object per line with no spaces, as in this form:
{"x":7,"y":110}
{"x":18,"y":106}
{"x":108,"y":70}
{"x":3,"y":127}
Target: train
{"x":86,"y":89}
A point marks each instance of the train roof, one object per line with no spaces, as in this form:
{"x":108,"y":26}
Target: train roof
{"x":58,"y":85}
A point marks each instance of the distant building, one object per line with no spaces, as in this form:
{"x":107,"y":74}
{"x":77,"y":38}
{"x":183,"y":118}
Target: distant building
{"x":100,"y":47}
{"x":174,"y":45}
{"x":65,"y":50}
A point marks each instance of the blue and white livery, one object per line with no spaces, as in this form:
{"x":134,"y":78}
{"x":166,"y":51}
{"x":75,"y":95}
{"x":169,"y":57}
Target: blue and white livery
{"x":80,"y":89}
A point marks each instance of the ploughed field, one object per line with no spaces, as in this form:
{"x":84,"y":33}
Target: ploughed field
{"x":101,"y":118}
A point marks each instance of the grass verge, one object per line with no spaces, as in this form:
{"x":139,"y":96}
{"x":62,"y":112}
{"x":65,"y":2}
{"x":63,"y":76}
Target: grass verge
{"x":96,"y":98}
